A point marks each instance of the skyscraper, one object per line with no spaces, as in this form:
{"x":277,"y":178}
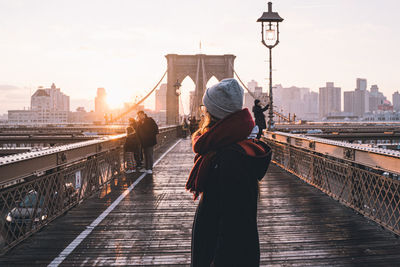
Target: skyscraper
{"x":376,"y":98}
{"x":361,"y":98}
{"x":329,"y":99}
{"x":348,"y":98}
{"x":361,"y":84}
{"x":396,"y":101}
{"x":361,"y":102}
{"x":161,"y":98}
{"x":100,"y":102}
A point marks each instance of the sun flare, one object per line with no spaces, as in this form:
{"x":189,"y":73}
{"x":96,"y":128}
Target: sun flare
{"x":115,"y":101}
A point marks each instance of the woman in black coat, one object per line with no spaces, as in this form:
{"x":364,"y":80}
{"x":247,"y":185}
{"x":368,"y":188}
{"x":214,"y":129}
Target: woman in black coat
{"x":227,"y":170}
{"x":131,"y":147}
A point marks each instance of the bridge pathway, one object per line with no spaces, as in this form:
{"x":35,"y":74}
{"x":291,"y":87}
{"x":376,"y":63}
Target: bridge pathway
{"x":151,"y":226}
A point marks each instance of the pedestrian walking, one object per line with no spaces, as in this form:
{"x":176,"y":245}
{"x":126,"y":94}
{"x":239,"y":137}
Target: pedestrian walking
{"x":229,"y":164}
{"x":130,"y":146}
{"x":148,"y":131}
{"x":193,"y":125}
{"x":259,"y":116}
{"x":185,"y":127}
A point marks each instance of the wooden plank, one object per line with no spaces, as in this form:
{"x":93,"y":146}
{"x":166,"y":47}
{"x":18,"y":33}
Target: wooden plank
{"x":298,"y":225}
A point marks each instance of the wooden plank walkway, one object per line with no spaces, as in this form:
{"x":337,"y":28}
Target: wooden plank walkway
{"x":298,"y":225}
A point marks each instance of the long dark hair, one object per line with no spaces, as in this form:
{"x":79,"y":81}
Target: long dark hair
{"x":206,"y":122}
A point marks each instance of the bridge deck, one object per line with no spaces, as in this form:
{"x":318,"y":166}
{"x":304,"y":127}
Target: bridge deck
{"x":298,"y":225}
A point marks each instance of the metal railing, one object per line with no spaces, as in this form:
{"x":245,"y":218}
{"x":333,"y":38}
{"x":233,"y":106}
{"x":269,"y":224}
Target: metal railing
{"x":347,"y":173}
{"x":37,"y":187}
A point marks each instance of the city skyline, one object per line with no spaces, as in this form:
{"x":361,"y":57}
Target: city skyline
{"x":121,"y":47}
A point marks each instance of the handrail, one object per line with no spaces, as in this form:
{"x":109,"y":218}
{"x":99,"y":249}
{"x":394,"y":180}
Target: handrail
{"x":25,"y":164}
{"x":378,"y":158}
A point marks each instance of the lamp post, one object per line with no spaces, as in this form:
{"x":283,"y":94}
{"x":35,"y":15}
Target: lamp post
{"x":177,"y":87}
{"x":270,"y":38}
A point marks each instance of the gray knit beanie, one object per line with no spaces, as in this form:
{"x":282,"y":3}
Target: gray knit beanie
{"x":224,"y":98}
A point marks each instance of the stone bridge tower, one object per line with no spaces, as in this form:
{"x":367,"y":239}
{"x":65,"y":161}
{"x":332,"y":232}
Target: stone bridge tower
{"x":200,"y":68}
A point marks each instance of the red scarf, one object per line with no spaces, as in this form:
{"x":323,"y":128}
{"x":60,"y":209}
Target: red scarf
{"x":230,"y":130}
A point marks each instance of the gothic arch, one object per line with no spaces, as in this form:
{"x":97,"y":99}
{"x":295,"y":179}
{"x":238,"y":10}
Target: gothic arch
{"x":200,"y":68}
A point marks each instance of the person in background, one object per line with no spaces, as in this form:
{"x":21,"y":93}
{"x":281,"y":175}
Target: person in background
{"x":259,"y":116}
{"x":138,"y":153}
{"x":185,"y":127}
{"x":192,"y":124}
{"x":130,"y":146}
{"x":229,"y":164}
{"x":148,"y":131}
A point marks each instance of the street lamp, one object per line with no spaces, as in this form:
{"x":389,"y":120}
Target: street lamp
{"x":177,"y":87}
{"x":270,"y":38}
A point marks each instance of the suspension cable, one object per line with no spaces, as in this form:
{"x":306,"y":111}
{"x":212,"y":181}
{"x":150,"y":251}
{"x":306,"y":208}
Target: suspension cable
{"x":240,"y":80}
{"x":134,"y":106}
{"x":252,"y":95}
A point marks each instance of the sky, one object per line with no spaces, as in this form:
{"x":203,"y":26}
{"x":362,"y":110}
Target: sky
{"x":121,"y":44}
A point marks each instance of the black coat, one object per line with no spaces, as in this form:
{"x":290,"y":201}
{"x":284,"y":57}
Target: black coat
{"x":147,"y":130}
{"x":132,"y":143}
{"x":225,"y":226}
{"x":259,"y":116}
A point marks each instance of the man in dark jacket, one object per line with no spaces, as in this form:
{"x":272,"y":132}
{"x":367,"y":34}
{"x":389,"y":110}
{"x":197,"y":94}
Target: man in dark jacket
{"x":259,"y":116}
{"x":148,"y":131}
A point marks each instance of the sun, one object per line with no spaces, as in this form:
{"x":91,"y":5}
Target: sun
{"x":114,"y":101}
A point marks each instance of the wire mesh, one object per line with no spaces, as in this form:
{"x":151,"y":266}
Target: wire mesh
{"x":361,"y":188}
{"x":27,"y":207}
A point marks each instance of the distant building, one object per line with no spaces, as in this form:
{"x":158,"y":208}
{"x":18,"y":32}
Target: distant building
{"x":48,"y":105}
{"x":22,"y":117}
{"x":361,"y":84}
{"x":299,"y":101}
{"x":396,"y":101}
{"x":382,"y":116}
{"x":361,"y":102}
{"x":258,"y":94}
{"x":100,"y":102}
{"x":49,"y":99}
{"x":81,"y":116}
{"x":329,"y":99}
{"x":357,"y":102}
{"x":385,"y":106}
{"x":4,"y":117}
{"x":311,"y":104}
{"x":161,"y":98}
{"x":376,"y":98}
{"x":348,"y":99}
{"x":252,"y":85}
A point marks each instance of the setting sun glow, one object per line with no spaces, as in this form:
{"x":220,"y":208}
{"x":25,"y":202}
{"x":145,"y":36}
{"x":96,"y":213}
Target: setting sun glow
{"x":115,"y":100}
